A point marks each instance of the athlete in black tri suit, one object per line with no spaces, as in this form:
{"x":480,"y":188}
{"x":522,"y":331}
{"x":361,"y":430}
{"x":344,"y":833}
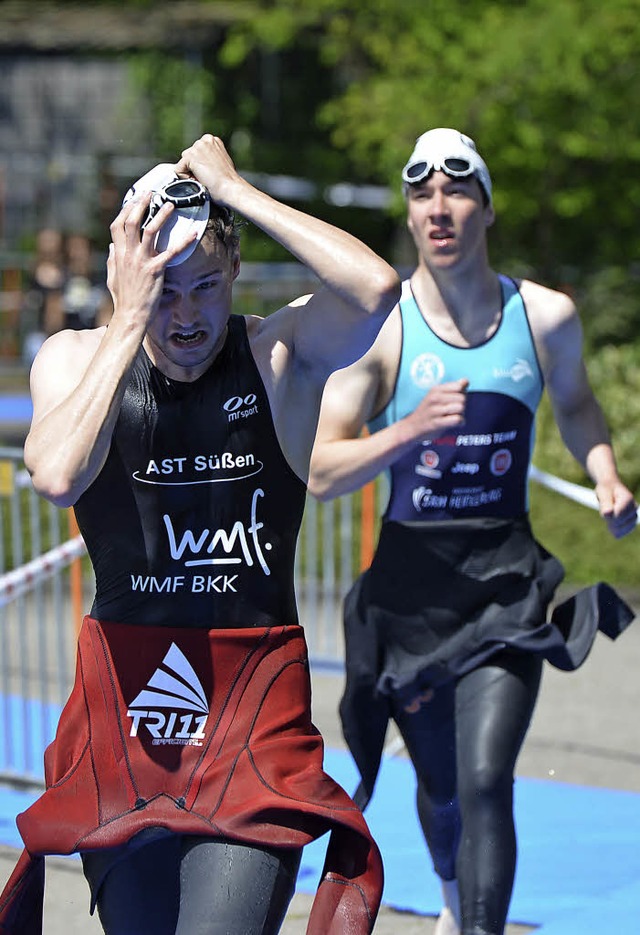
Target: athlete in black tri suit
{"x":447,"y":631}
{"x":186,"y":769}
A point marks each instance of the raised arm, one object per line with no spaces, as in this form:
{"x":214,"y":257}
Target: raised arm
{"x":78,"y":378}
{"x":558,"y":333}
{"x":359,"y":288}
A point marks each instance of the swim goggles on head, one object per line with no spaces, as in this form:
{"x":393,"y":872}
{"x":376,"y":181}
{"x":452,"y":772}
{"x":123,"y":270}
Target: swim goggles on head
{"x":451,"y":165}
{"x":182,"y":193}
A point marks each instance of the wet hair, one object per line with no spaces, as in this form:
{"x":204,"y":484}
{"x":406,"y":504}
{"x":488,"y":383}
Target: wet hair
{"x":224,"y":226}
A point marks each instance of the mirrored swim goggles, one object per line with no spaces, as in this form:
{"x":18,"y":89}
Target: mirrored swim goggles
{"x":455,"y":166}
{"x":182,"y":193}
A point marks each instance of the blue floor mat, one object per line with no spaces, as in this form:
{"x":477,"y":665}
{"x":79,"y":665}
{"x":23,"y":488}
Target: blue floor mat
{"x":15,"y":408}
{"x":27,"y":726}
{"x":12,"y":802}
{"x":579,"y":850}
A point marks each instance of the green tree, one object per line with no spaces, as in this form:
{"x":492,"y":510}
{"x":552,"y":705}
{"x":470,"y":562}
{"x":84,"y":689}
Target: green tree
{"x":547,"y":87}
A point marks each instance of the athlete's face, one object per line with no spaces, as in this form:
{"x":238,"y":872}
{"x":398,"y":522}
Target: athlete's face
{"x":187,"y":328}
{"x":448,"y":220}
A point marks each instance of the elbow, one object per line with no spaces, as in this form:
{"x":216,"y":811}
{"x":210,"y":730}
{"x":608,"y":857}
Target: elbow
{"x":387,"y":291}
{"x":61,"y":495}
{"x":48,"y":478}
{"x":51,"y":485}
{"x":319,"y":486}
{"x":318,"y":491}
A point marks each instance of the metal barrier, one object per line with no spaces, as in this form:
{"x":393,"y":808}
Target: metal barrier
{"x":46,"y":584}
{"x":36,"y":625}
{"x":336,"y":542}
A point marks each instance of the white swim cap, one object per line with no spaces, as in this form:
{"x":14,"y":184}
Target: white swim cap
{"x":185,"y":218}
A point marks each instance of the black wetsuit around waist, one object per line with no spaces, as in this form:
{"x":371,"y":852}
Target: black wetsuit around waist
{"x":194,"y":517}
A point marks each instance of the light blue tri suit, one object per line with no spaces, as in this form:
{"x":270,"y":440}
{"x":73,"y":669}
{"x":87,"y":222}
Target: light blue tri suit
{"x":447,"y":631}
{"x":453,"y":603}
{"x":479,"y":468}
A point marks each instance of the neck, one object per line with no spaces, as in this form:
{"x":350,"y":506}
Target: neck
{"x":463,"y":309}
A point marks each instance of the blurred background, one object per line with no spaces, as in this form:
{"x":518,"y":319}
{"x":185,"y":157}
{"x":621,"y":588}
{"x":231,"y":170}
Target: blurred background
{"x":319,"y":102}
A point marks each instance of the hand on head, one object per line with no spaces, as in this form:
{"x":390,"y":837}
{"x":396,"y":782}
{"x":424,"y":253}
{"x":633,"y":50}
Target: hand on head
{"x":208,"y":160}
{"x":135,"y":269}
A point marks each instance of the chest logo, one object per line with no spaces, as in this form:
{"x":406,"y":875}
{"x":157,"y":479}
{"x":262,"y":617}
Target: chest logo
{"x":219,"y":468}
{"x":428,"y":466}
{"x":173,"y":707}
{"x":235,"y":546}
{"x":500,"y":462}
{"x":426,"y":370}
{"x":239,"y":407}
{"x":520,"y":370}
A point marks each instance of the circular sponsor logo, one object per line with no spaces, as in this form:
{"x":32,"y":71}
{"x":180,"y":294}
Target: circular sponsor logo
{"x":426,"y":370}
{"x":500,"y":462}
{"x":430,"y":459}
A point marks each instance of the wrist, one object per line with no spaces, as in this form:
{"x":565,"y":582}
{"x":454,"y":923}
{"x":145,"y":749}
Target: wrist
{"x":232,"y":192}
{"x":601,"y":465}
{"x":127,"y":326}
{"x":407,"y":433}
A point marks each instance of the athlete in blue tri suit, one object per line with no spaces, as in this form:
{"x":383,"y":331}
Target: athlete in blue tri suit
{"x":447,"y":631}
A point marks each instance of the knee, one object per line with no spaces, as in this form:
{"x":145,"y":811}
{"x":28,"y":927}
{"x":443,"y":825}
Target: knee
{"x":485,"y":782}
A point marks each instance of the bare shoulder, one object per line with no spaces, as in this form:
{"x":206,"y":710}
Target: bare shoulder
{"x":69,"y":340}
{"x":557,"y":332}
{"x":371,"y":376}
{"x":356,"y":393}
{"x":381,"y":359}
{"x":271,"y":342}
{"x":380,"y":364}
{"x":269,"y":328}
{"x":549,"y":310}
{"x":65,"y":356}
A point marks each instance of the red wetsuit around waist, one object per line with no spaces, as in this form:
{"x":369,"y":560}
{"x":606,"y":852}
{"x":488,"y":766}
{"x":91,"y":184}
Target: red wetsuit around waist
{"x":198,"y":732}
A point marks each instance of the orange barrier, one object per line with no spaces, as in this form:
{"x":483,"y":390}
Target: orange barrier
{"x":367,"y":525}
{"x":75,"y":578}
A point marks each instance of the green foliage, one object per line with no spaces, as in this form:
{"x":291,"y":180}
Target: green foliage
{"x":548,"y":89}
{"x":334,"y":90}
{"x":180,"y":92}
{"x":609,"y":301}
{"x":578,"y":537}
{"x":614,"y":373}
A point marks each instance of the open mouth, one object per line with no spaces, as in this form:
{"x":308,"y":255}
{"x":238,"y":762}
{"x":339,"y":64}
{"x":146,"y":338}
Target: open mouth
{"x":189,"y":338}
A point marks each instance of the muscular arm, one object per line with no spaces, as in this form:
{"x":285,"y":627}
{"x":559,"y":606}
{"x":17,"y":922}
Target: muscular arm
{"x":78,"y":378}
{"x":338,"y":323}
{"x":558,"y":334}
{"x":343,"y":459}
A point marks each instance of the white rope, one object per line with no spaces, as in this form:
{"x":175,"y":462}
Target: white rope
{"x":572,"y":491}
{"x":583,"y":495}
{"x":20,"y":580}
